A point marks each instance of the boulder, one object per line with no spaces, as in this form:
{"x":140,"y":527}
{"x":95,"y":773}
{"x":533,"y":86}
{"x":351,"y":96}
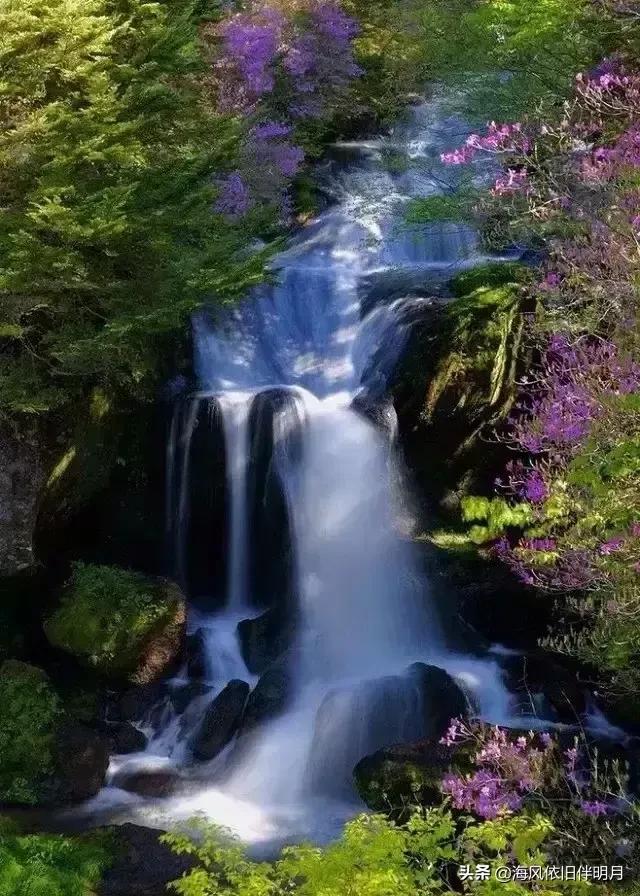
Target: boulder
{"x":138,"y":703}
{"x":143,"y":866}
{"x":395,"y":779}
{"x":184,"y":694}
{"x":221,"y":721}
{"x":156,"y":785}
{"x":128,"y":739}
{"x":538,"y":672}
{"x":442,"y":698}
{"x":266,"y":638}
{"x":268,"y":699}
{"x":195,"y":654}
{"x":380,"y":412}
{"x":126,"y":626}
{"x":81,"y":758}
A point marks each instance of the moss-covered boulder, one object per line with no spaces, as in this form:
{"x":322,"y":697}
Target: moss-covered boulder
{"x":46,"y":757}
{"x":457,"y":381}
{"x":29,"y":715}
{"x":126,"y":626}
{"x":397,"y":778}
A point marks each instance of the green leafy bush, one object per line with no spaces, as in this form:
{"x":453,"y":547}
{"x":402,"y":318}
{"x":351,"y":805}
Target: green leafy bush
{"x":29,"y":711}
{"x":108,"y":614}
{"x":108,"y":238}
{"x":48,"y":865}
{"x":376,"y":857}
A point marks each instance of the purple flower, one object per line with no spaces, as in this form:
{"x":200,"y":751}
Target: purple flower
{"x":611,"y":546}
{"x":234,"y":199}
{"x":594,"y":808}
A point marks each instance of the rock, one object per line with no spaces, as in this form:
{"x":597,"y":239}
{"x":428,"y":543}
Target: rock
{"x":155,"y":785}
{"x":380,"y":412}
{"x":126,"y":626}
{"x":129,"y":739}
{"x":266,"y":638}
{"x":221,"y":721}
{"x":184,"y":694}
{"x":137,"y":703}
{"x":539,"y":672}
{"x":268,"y":699}
{"x":271,"y":567}
{"x":401,"y":777}
{"x":195,"y":654}
{"x":143,"y":866}
{"x":81,"y":758}
{"x":442,"y":698}
{"x":22,"y":478}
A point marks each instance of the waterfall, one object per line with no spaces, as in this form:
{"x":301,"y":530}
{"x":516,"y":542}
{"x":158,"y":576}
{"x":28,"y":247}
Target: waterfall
{"x":281,"y":515}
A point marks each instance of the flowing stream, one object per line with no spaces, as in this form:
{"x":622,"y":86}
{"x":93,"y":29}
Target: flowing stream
{"x":282,"y":510}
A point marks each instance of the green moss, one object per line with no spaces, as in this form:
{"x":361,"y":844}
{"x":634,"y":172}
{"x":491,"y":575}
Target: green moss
{"x":29,"y":712}
{"x":475,"y":376}
{"x":488,"y":275}
{"x":108,"y":614}
{"x":50,"y":865}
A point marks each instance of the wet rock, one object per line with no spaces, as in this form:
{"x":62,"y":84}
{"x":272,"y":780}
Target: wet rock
{"x":442,"y":698}
{"x":195,"y":654}
{"x":276,"y":414}
{"x":380,"y":412}
{"x":403,"y":776}
{"x":184,"y":694}
{"x":81,"y":758}
{"x":138,"y":703}
{"x":156,"y":785}
{"x":268,"y":699}
{"x":266,"y":638}
{"x":128,"y":739}
{"x":206,"y":536}
{"x":221,"y":721}
{"x":142,"y":866}
{"x":537,"y":672}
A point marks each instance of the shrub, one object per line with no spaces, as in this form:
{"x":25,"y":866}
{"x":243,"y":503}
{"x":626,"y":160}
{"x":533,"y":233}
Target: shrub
{"x":29,"y":711}
{"x":108,"y":614}
{"x":48,"y":865}
{"x":376,"y":857}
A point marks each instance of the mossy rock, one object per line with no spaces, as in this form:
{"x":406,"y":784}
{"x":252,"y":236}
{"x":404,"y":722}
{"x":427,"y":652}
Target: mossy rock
{"x":457,"y":383}
{"x":488,"y":276}
{"x":29,"y":713}
{"x":395,"y":779}
{"x":126,"y":626}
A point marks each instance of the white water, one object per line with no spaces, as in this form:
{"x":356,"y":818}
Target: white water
{"x":364,"y":611}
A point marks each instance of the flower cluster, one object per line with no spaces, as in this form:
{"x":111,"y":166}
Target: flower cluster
{"x":510,"y":769}
{"x":278,"y":66}
{"x":506,"y":770}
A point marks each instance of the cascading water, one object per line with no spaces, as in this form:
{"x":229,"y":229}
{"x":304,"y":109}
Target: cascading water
{"x":281,"y":514}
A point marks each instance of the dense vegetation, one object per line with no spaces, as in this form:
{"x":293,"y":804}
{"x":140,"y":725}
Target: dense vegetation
{"x":145,"y":148}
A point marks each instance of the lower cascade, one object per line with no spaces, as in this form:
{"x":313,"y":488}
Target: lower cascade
{"x":313,"y":637}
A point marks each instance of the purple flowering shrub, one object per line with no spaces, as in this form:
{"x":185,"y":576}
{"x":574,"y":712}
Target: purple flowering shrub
{"x":583,"y":794}
{"x":566,"y":516}
{"x":281,"y":68}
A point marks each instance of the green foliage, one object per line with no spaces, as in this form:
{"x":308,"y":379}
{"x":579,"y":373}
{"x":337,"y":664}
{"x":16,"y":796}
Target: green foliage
{"x":107,"y":615}
{"x":374,"y":857}
{"x":497,"y":515}
{"x":48,"y":865}
{"x":508,"y":57}
{"x":488,"y":276}
{"x":107,"y":236}
{"x":455,"y":206}
{"x":29,"y":712}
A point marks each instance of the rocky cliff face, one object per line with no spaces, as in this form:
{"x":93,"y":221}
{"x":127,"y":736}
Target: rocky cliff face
{"x":23,"y":471}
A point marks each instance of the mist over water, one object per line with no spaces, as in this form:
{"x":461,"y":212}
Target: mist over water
{"x":280,"y":499}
